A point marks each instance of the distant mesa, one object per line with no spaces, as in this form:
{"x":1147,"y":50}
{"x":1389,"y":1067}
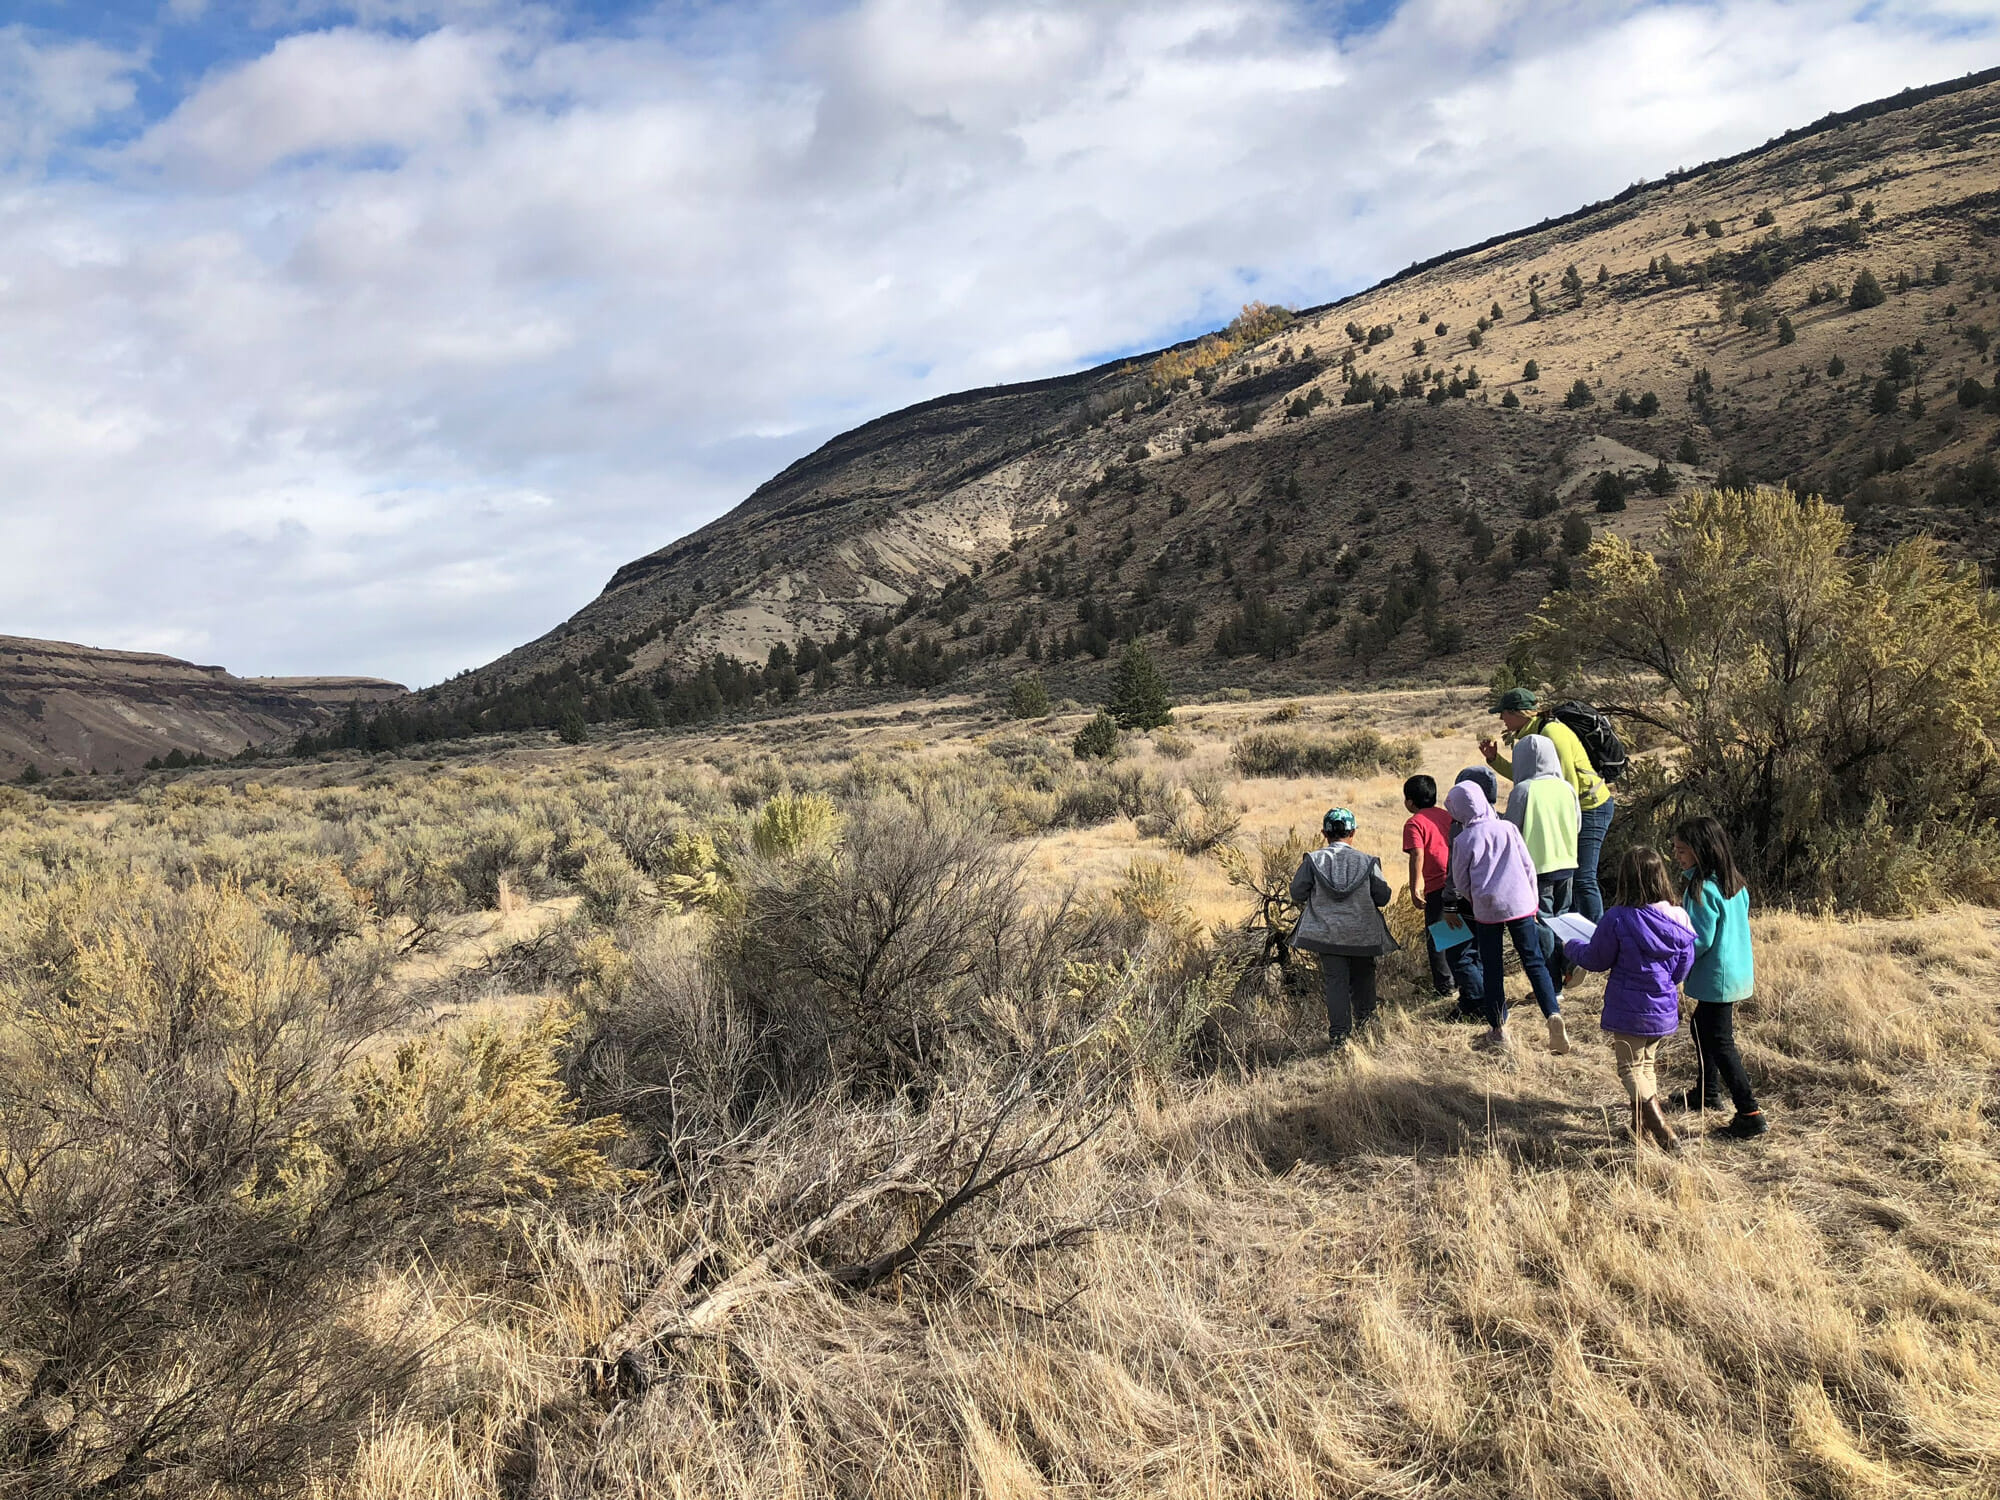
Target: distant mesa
{"x":67,"y":707}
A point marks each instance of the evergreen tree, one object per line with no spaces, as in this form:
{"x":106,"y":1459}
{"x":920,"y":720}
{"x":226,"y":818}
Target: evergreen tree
{"x":1139,"y":697}
{"x":1027,"y":698}
{"x":570,"y":726}
{"x":1580,"y":395}
{"x":1867,"y":292}
{"x":1097,"y":740}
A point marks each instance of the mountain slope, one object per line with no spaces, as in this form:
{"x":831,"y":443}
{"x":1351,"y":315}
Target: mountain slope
{"x":1237,"y":500}
{"x":80,"y":708}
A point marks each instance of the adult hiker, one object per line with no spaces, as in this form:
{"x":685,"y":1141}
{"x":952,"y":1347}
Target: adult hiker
{"x":1341,"y":893}
{"x":1517,"y":710}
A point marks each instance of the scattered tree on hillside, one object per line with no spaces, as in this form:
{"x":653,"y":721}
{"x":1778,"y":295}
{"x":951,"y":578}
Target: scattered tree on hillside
{"x":1531,"y":371}
{"x":1580,"y":395}
{"x":1575,"y":534}
{"x":1027,"y":697}
{"x":1866,"y":292}
{"x":1097,"y":740}
{"x":1139,"y":698}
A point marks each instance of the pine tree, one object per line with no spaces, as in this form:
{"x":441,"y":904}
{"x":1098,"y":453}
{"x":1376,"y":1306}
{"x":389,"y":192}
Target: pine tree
{"x":1139,"y":697}
{"x":1867,"y":292}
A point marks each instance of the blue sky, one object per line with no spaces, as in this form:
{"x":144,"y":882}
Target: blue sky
{"x":372,"y":338}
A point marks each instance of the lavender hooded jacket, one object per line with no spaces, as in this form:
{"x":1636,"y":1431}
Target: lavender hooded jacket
{"x":1489,"y":863}
{"x":1649,"y":950}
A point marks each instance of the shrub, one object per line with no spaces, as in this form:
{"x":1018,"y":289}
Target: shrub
{"x":1097,"y":740}
{"x":204,"y":1146}
{"x":1786,"y":333}
{"x":1298,"y":752}
{"x":1580,"y":395}
{"x":1822,"y":706}
{"x":1510,"y":400}
{"x":1885,"y":399}
{"x":1608,"y":493}
{"x":883,"y":944}
{"x":1027,"y":697}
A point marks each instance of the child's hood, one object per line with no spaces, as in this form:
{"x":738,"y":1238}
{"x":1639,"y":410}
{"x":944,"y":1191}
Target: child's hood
{"x":1467,"y":804}
{"x":1657,"y":932}
{"x":1535,"y":757}
{"x":1342,"y":867}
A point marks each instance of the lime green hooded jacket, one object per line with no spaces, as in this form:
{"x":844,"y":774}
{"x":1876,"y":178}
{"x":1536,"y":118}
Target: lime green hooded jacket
{"x":1544,"y":806}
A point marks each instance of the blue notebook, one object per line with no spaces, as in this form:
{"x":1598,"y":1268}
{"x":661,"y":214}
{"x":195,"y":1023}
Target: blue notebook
{"x":1444,"y":935}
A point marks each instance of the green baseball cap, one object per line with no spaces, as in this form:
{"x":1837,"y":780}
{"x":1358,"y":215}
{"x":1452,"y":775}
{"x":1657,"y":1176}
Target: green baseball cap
{"x":1337,"y":820}
{"x":1516,"y":701}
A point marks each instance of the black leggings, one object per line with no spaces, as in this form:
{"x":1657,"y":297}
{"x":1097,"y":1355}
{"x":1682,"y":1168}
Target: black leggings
{"x":1720,"y":1065}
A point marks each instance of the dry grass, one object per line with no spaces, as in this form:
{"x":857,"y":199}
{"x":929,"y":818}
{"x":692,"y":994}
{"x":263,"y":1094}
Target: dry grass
{"x":1411,"y":1271}
{"x":1415,"y":1272}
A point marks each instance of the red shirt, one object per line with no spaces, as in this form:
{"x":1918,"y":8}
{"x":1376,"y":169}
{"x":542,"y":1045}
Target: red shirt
{"x":1430,"y":831}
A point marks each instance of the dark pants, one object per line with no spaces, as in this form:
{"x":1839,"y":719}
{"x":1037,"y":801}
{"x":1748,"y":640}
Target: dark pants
{"x":1443,"y":980}
{"x":1349,"y":985}
{"x":1720,"y":1065}
{"x":1589,"y":847}
{"x":1528,"y":946}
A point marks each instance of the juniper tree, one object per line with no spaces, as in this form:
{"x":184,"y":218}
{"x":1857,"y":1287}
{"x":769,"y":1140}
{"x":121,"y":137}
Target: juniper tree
{"x":1139,"y":698}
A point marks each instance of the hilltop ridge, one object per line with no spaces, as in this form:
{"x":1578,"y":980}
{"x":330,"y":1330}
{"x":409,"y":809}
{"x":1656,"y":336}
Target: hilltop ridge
{"x":1383,"y":482}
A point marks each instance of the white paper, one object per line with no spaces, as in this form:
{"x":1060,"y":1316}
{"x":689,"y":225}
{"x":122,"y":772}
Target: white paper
{"x":1569,"y":925}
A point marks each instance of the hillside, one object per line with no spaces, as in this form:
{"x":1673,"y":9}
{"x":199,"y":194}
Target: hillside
{"x":80,"y":708}
{"x":1710,"y":328}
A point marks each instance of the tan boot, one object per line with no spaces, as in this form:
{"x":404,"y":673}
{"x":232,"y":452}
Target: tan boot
{"x":1658,"y":1128}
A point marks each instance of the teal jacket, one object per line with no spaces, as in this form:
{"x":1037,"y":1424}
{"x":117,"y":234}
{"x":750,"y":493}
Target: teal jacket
{"x":1723,"y":970}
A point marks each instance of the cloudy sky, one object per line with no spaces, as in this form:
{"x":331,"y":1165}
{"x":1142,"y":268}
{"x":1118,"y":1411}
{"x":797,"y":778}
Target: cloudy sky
{"x":372,"y":337}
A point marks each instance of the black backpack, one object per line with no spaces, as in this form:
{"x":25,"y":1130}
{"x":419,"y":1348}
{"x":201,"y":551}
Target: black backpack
{"x":1600,"y":740}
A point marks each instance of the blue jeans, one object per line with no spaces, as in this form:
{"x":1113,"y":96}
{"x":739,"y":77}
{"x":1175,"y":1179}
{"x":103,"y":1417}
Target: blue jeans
{"x":1526,"y":933}
{"x":1589,"y":846}
{"x":1557,"y":892}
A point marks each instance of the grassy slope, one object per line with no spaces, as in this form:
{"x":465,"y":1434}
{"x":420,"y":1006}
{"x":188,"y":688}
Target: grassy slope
{"x":1418,"y":1271}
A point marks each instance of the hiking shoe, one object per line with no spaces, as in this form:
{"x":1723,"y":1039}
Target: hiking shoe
{"x":1747,"y":1127}
{"x":1491,"y":1041}
{"x":1558,"y":1036}
{"x":1692,"y":1100}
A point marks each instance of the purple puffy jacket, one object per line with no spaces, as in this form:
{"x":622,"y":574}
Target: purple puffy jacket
{"x":1648,"y":950}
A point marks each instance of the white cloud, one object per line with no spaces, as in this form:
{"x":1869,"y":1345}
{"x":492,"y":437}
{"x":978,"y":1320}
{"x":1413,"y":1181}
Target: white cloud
{"x":380,"y":351}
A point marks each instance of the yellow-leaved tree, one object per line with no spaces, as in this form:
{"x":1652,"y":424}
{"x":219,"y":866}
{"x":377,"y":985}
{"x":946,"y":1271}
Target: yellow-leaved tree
{"x":1837,"y":713}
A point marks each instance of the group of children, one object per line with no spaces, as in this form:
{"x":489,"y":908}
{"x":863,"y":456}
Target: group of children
{"x":1481,"y":876}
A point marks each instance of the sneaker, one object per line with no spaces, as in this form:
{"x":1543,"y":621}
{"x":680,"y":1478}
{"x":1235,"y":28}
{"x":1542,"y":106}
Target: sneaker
{"x":1747,"y":1127}
{"x":1491,"y":1041}
{"x":1558,"y":1036}
{"x":1691,"y":1099}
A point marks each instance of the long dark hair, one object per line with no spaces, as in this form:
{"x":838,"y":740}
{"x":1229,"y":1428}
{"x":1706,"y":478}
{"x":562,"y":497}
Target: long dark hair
{"x":1712,"y":857}
{"x":1642,"y":878}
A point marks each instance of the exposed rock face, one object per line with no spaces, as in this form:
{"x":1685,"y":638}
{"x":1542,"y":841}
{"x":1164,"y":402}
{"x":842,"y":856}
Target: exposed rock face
{"x":1719,"y":303}
{"x":64,"y":706}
